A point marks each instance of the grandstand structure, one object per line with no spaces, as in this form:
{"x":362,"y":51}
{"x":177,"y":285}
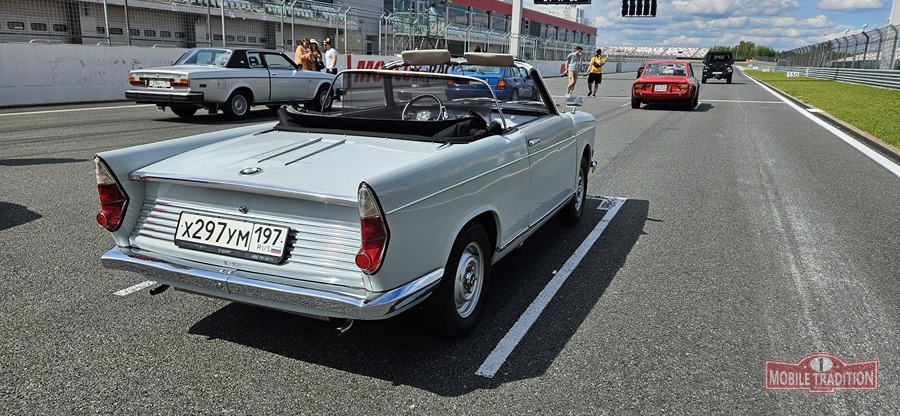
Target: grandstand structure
{"x":356,"y":26}
{"x":646,"y":53}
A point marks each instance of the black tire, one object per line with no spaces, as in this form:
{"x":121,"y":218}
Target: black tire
{"x":237,"y":106}
{"x":703,"y":80}
{"x":571,"y":213}
{"x":322,"y":101}
{"x":184,"y":111}
{"x":728,"y":79}
{"x":635,"y":103}
{"x":456,"y":304}
{"x":514,"y":96}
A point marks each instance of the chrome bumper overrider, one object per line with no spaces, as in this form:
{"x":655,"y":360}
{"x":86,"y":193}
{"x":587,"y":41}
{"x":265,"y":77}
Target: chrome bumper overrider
{"x":243,"y":287}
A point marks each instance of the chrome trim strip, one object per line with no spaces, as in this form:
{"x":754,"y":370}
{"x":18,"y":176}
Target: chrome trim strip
{"x":311,"y":142}
{"x":329,"y":147}
{"x":242,"y":287}
{"x":243,"y":186}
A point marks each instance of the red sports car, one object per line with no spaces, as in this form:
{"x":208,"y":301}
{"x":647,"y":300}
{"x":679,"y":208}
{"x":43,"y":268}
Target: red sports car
{"x":666,"y":81}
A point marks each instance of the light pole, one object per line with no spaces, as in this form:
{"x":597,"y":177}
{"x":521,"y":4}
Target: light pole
{"x":866,"y":48}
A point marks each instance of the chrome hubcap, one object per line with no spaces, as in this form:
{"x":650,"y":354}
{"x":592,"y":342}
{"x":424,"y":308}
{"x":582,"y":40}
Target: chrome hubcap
{"x":579,"y":192}
{"x":239,"y":105}
{"x":469,"y":280}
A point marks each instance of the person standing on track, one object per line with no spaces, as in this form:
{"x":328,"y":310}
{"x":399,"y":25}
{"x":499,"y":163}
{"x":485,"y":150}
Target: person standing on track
{"x":573,"y":67}
{"x":594,"y":72}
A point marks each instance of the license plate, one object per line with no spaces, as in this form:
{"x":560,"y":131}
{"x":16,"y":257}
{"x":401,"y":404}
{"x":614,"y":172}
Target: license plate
{"x":158,"y":83}
{"x":230,"y":237}
{"x":660,"y":88}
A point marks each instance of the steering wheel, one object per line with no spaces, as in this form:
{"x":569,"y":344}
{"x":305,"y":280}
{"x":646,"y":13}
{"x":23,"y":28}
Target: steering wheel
{"x":425,"y":113}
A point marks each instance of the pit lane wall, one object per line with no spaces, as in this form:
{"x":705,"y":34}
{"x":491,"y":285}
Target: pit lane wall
{"x":33,"y":74}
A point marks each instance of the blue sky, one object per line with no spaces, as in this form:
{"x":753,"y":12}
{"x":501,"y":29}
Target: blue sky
{"x":778,"y":24}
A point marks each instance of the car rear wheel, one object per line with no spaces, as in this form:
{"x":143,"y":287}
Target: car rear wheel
{"x":571,"y":213}
{"x":635,"y":103}
{"x":456,"y":304}
{"x":514,"y":96}
{"x":703,"y":80}
{"x":237,"y":106}
{"x":185,"y":111}
{"x":728,"y":79}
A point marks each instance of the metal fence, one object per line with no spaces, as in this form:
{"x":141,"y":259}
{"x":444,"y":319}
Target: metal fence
{"x":875,"y":49}
{"x":274,"y":24}
{"x":884,"y":78}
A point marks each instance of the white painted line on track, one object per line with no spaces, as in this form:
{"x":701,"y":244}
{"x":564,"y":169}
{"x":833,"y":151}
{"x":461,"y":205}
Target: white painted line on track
{"x":744,"y":101}
{"x":815,"y":110}
{"x":871,"y":154}
{"x":501,"y":352}
{"x":129,"y":290}
{"x":28,"y":113}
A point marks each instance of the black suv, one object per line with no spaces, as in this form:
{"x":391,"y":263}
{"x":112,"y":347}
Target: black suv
{"x":718,"y":65}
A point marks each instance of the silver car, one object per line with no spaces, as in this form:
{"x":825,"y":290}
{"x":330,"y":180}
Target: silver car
{"x":231,"y":80}
{"x":397,"y":196}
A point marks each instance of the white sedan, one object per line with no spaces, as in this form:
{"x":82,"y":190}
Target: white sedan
{"x":231,"y":80}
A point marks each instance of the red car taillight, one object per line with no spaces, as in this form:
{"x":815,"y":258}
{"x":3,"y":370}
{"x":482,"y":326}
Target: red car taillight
{"x":112,"y":199}
{"x":683,"y":87}
{"x":637,"y":87}
{"x":501,"y":84}
{"x":373,"y":232}
{"x":178,"y":82}
{"x":137,"y":81}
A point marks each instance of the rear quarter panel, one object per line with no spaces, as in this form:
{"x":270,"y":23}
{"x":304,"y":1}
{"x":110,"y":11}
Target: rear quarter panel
{"x":428,"y":203}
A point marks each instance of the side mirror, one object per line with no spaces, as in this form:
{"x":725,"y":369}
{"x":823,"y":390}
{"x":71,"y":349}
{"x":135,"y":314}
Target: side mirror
{"x":575,"y":101}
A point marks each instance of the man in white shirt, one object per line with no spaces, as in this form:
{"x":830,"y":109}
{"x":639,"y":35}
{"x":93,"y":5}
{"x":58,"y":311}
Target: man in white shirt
{"x":330,"y":57}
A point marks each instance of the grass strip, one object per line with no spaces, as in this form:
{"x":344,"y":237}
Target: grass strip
{"x":873,"y":110}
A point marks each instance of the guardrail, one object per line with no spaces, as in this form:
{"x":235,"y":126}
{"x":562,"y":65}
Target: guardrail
{"x":884,"y":78}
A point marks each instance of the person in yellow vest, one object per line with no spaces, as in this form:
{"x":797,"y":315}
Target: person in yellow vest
{"x":594,"y":72}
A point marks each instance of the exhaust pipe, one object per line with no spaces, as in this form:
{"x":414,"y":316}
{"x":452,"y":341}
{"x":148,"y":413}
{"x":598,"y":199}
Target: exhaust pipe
{"x":344,"y":327}
{"x":159,"y":289}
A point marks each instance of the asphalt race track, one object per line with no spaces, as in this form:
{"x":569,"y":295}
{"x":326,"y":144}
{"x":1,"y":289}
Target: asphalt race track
{"x":717,"y":239}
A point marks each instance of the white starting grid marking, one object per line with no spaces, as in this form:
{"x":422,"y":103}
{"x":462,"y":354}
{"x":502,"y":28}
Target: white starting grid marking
{"x":129,"y":290}
{"x":501,"y":352}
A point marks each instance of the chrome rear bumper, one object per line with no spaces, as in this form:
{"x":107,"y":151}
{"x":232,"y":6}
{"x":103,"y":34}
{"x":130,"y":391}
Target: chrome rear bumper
{"x":249,"y":288}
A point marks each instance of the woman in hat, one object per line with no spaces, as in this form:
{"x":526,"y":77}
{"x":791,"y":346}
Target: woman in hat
{"x":315,"y":55}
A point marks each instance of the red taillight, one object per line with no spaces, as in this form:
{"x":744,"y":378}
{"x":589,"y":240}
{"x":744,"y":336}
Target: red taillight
{"x":112,"y":198}
{"x":178,"y":82}
{"x":373,"y":232}
{"x":501,"y":84}
{"x":137,"y":81}
{"x":449,"y":83}
{"x":637,"y":87}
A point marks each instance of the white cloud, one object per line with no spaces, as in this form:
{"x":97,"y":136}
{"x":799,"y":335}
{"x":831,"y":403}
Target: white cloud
{"x":850,"y":5}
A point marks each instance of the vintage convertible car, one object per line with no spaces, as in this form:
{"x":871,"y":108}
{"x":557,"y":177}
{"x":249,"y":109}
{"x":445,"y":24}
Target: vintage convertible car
{"x":666,"y":81}
{"x":231,"y":80}
{"x":397,"y":196}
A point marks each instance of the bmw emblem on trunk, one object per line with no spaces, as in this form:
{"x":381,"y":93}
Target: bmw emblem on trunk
{"x":251,"y":171}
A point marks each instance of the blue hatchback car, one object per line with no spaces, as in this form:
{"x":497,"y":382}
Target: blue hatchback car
{"x":509,"y":83}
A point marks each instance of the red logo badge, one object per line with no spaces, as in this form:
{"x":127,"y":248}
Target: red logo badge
{"x":821,"y":373}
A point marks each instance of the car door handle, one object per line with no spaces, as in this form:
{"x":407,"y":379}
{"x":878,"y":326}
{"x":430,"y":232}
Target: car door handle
{"x":533,"y":142}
